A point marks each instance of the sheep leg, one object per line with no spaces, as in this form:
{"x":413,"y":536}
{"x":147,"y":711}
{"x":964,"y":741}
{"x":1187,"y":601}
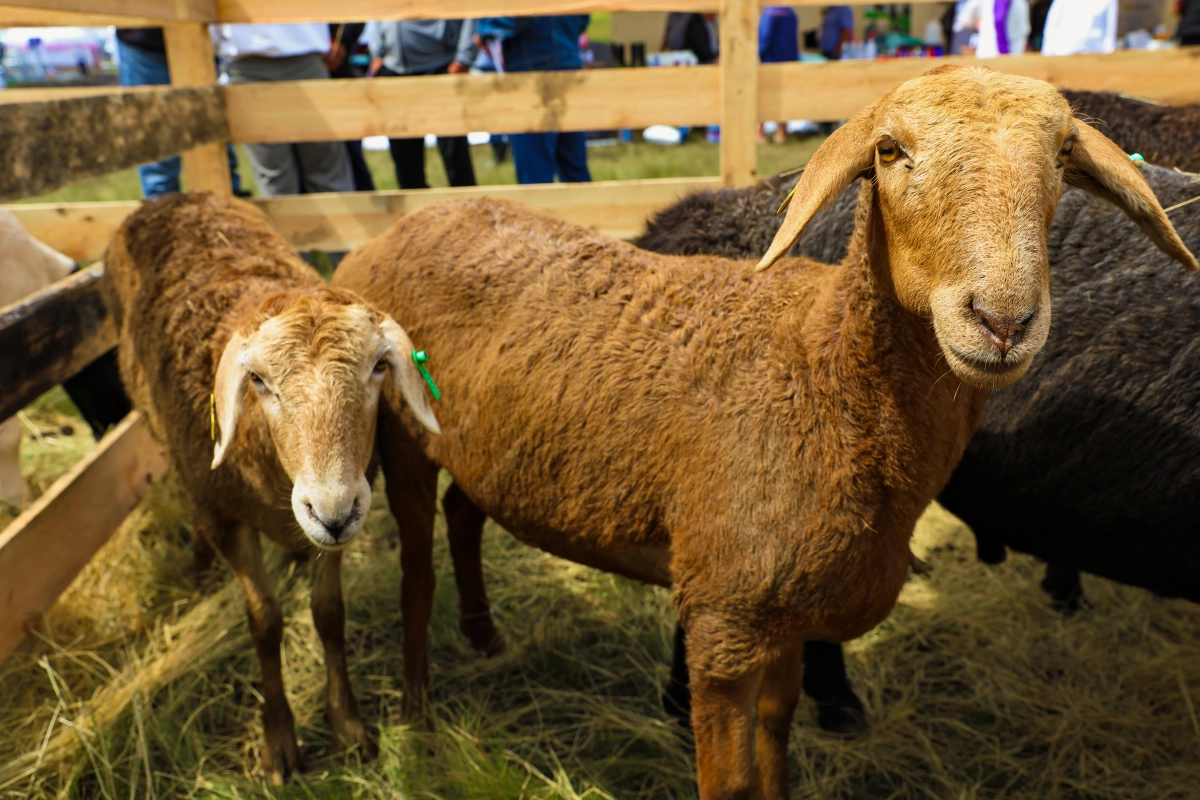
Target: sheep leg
{"x":723,"y":723}
{"x":777,"y":698}
{"x":329,"y":617}
{"x":12,"y":484}
{"x":412,"y":498}
{"x":1065,"y":590}
{"x":242,"y":548}
{"x":838,"y":708}
{"x":464,"y":529}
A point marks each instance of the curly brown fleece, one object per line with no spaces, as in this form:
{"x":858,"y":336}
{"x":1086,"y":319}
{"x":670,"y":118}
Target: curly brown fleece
{"x":184,"y":276}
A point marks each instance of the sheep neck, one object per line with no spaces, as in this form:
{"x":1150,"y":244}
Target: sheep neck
{"x":919,"y":416}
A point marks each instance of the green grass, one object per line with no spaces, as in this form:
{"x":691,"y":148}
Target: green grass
{"x":637,"y":160}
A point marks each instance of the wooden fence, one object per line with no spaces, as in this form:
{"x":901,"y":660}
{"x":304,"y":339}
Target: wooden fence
{"x":51,"y":137}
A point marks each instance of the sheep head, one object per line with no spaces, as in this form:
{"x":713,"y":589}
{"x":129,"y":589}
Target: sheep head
{"x":967,"y":166}
{"x":314,"y":361}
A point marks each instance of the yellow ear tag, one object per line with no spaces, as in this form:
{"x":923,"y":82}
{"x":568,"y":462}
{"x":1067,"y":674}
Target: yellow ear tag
{"x":787,"y":199}
{"x":212,"y":416}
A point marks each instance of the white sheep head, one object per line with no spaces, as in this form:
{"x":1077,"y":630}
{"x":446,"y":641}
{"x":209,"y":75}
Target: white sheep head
{"x":315,"y":359}
{"x":968,"y":165}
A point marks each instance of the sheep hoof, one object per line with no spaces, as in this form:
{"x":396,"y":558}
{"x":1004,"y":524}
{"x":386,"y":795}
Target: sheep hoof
{"x":844,"y":718}
{"x":484,"y":638}
{"x":280,"y":756}
{"x":350,"y":733}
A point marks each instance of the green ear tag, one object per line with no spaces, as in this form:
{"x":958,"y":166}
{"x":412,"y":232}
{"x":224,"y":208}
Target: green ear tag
{"x":1137,"y":160}
{"x":420,"y":358}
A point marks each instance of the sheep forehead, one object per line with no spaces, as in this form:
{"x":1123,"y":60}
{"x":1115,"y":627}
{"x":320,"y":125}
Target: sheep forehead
{"x":963,"y":111}
{"x":307,"y":337}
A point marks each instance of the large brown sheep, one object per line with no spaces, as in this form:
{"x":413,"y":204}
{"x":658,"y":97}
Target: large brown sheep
{"x":225,"y":334}
{"x":762,"y":443}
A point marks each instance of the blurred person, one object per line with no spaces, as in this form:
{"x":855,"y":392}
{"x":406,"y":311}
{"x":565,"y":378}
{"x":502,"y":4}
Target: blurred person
{"x":538,"y":44}
{"x":1080,"y":26}
{"x":1189,"y":22}
{"x":1003,"y":28}
{"x":778,"y":42}
{"x":837,"y":28}
{"x":142,"y":61}
{"x":484,"y":65}
{"x":1038,"y":10}
{"x":426,"y":47}
{"x":967,"y":14}
{"x":263,"y":53}
{"x":342,"y":39}
{"x":694,"y":32}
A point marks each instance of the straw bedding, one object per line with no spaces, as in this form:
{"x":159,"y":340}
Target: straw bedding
{"x":142,"y":683}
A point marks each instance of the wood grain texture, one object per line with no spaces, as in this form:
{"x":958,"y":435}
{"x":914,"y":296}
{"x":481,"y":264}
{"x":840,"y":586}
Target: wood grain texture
{"x":341,"y":221}
{"x":44,"y":146}
{"x":118,"y":12}
{"x":457,"y":104}
{"x":367,"y":10}
{"x":190,"y":58}
{"x":43,"y":550}
{"x":56,"y":332}
{"x":739,"y":91}
{"x":837,"y":89}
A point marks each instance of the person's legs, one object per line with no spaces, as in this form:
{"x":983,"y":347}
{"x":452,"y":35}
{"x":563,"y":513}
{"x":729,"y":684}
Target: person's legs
{"x":571,"y":158}
{"x":275,"y":169}
{"x":456,"y":156}
{"x":324,"y":167}
{"x":533,"y":156}
{"x":408,"y":157}
{"x":147,"y":68}
{"x":363,"y":182}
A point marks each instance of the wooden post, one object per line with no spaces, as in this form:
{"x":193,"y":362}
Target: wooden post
{"x":739,"y":91}
{"x":190,"y":57}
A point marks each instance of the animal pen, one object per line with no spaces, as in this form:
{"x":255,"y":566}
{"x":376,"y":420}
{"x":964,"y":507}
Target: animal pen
{"x":52,"y":137}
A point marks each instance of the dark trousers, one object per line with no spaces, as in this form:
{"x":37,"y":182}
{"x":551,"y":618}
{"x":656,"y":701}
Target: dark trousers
{"x":538,"y":157}
{"x":408,"y":155}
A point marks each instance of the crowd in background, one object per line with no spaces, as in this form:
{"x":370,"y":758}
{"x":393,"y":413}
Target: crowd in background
{"x":256,"y":53}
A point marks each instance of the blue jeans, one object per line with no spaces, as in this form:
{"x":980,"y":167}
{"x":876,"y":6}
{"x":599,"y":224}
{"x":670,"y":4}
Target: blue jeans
{"x":149,"y":68}
{"x":540,"y":156}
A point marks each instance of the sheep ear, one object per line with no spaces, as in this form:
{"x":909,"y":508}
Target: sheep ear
{"x":844,"y":156}
{"x":1102,"y":169}
{"x":405,"y":374}
{"x":229,"y":392}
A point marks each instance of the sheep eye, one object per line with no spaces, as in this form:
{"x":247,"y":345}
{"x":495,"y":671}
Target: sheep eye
{"x":1065,"y":153}
{"x":889,"y":151}
{"x":380,"y":367}
{"x":257,"y":382}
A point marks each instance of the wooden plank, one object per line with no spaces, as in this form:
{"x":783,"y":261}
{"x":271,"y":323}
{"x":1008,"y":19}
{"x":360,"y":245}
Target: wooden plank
{"x":55,"y":332}
{"x":117,"y":12}
{"x":739,"y":91}
{"x":47,"y":145}
{"x":837,"y":89}
{"x":44,"y":94}
{"x":367,"y":10}
{"x":13,"y":17}
{"x":457,"y":104}
{"x":338,"y":222}
{"x":43,"y":550}
{"x":190,"y":58}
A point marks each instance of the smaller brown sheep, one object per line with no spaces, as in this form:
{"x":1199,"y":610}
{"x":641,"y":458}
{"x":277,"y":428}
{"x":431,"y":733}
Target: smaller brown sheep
{"x":761,"y":443}
{"x":225,"y":334}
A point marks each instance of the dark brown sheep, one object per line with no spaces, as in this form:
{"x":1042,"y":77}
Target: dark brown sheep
{"x":217,"y":316}
{"x":761,"y":443}
{"x":1165,"y":135}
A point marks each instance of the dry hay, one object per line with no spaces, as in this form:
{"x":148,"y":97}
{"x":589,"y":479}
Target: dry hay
{"x":141,"y":684}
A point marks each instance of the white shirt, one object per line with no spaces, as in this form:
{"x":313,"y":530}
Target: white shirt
{"x":1080,"y":26}
{"x":273,"y":41}
{"x":967,"y":14}
{"x":1016,"y":27}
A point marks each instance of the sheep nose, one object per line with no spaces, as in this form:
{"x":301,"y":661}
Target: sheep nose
{"x":1005,"y":333}
{"x":336,"y":523}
